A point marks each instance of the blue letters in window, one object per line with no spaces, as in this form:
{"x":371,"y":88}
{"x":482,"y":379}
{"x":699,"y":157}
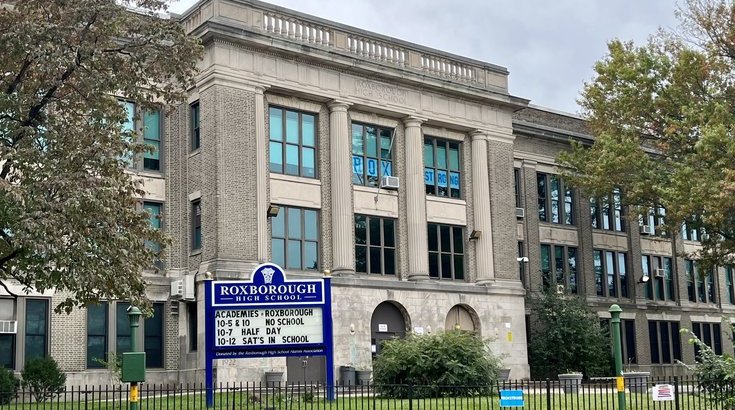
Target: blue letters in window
{"x":357,"y":164}
{"x":454,"y":180}
{"x":387,"y":167}
{"x":441,"y":177}
{"x":372,"y":167}
{"x":428,"y":176}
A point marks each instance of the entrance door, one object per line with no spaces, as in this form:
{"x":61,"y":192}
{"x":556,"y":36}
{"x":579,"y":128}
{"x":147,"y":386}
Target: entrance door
{"x":306,"y":369}
{"x":387,"y":323}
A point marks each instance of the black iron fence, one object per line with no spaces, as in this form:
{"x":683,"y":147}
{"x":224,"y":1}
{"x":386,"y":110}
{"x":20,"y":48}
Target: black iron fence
{"x":682,"y":393}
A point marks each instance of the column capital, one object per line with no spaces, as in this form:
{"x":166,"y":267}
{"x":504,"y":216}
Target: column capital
{"x":338,"y":106}
{"x":413,"y":121}
{"x":261,"y":89}
{"x":479,"y":134}
{"x":529,"y":163}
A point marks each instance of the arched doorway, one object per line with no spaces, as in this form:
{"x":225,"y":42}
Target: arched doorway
{"x":390,"y":320}
{"x":462,"y":317}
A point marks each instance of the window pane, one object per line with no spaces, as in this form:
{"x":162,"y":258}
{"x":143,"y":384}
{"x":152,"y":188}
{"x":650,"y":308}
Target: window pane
{"x":293,"y":254}
{"x":446,"y":239}
{"x":278,"y":224}
{"x":676,"y":340}
{"x":385,"y":144}
{"x":374,"y":231}
{"x":122,"y":326}
{"x":665,"y":346}
{"x":433,"y":264}
{"x":357,"y":143}
{"x":360,"y":229}
{"x":433,"y":238}
{"x":292,"y":159}
{"x":572,"y":263}
{"x":311,"y":260}
{"x":371,"y":141}
{"x":308,"y":167}
{"x":458,"y":267}
{"x":36,"y":328}
{"x":292,"y":127}
{"x":653,"y":342}
{"x":310,"y":225}
{"x":458,"y":240}
{"x":294,"y":223}
{"x":307,"y":131}
{"x":278,"y":251}
{"x":428,"y":153}
{"x":559,"y":265}
{"x":446,"y":267}
{"x":276,"y":157}
{"x":7,"y":350}
{"x":276,"y":124}
{"x":153,"y":343}
{"x":96,"y":335}
{"x":375,"y":265}
{"x":389,"y":236}
{"x":623,"y":275}
{"x":454,"y":156}
{"x":152,"y":126}
{"x":598,"y":273}
{"x":361,"y":259}
{"x":390,"y":261}
{"x":441,"y":155}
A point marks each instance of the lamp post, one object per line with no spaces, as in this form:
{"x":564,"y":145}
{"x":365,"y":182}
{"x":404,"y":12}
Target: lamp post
{"x":134,"y":315}
{"x":615,"y":311}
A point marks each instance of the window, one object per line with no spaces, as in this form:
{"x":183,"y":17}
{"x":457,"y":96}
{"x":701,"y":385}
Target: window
{"x":7,"y":340}
{"x":627,"y":339}
{"x":607,"y":212}
{"x":710,"y":334}
{"x":196,"y":225}
{"x":555,"y":203}
{"x":375,"y":245}
{"x":36,"y":328}
{"x":292,"y":142}
{"x":442,"y":167}
{"x":700,"y":289}
{"x":151,"y":131}
{"x":371,"y":154}
{"x":521,"y":265}
{"x":153,"y":337}
{"x":660,"y":285}
{"x":563,"y":262}
{"x":295,"y":238}
{"x":191,"y":317}
{"x":96,"y":334}
{"x":729,"y":284}
{"x":690,"y":232}
{"x":652,"y":224}
{"x":446,"y":251}
{"x":194,"y":115}
{"x":122,"y":327}
{"x":518,"y":187}
{"x":611,"y":278}
{"x":154,"y":215}
{"x":665,"y":342}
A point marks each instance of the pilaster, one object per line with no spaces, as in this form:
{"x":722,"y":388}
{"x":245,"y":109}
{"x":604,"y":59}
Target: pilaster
{"x":485,"y":271}
{"x":341,"y":185}
{"x":418,"y":246}
{"x":261,"y":172}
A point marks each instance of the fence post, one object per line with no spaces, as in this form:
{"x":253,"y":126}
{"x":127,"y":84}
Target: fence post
{"x":548,"y":393}
{"x":410,"y":397}
{"x":676,"y":392}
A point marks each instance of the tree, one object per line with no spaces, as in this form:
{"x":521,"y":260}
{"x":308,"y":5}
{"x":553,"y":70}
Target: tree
{"x":566,"y":336}
{"x":69,"y":217}
{"x":714,"y":374}
{"x":662,"y":115}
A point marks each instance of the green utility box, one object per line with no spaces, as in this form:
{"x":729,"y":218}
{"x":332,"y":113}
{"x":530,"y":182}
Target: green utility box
{"x":133,"y":367}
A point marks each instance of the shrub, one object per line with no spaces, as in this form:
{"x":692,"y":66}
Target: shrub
{"x":435,"y":365}
{"x":716,"y":374}
{"x":8,"y":385}
{"x":43,"y":378}
{"x":566,"y":336}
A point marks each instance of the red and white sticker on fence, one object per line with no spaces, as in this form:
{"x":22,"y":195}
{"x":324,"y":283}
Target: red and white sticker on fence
{"x":663,"y":392}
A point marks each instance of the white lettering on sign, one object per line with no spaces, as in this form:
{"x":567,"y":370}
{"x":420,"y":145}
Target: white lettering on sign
{"x":382,"y":327}
{"x":263,"y":327}
{"x":663,"y":392}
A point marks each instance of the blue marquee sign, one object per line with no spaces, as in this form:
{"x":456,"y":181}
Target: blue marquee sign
{"x":268,"y":316}
{"x":511,"y":398}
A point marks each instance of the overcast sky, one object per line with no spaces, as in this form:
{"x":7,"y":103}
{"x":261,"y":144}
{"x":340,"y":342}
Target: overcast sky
{"x":549,"y":47}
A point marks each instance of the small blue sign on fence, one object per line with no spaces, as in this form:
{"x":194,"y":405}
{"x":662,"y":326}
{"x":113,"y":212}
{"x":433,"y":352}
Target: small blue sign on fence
{"x":511,"y":398}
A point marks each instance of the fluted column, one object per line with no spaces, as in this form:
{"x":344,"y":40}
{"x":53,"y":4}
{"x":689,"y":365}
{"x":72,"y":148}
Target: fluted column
{"x":481,"y":208}
{"x":343,"y":261}
{"x":418,"y":246}
{"x":261,"y":175}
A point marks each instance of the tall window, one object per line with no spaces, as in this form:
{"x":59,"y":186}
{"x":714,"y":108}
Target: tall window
{"x":665,"y":342}
{"x":36,"y":328}
{"x":562,"y":261}
{"x":611,"y":277}
{"x":446,"y":251}
{"x":442,"y":167}
{"x":371,"y":154}
{"x":96,"y":334}
{"x":7,"y":336}
{"x":652,"y":224}
{"x":292,"y":142}
{"x":689,"y":231}
{"x":149,"y":121}
{"x":518,"y":187}
{"x":627,"y":339}
{"x":153,"y":337}
{"x":375,"y":245}
{"x":555,"y":203}
{"x":660,"y":285}
{"x":729,"y":284}
{"x":123,"y":342}
{"x":607,"y":212}
{"x":155,"y":217}
{"x":196,"y":225}
{"x":195,"y":137}
{"x":710,"y":334}
{"x":295,"y":238}
{"x":700,"y":289}
{"x":521,"y":265}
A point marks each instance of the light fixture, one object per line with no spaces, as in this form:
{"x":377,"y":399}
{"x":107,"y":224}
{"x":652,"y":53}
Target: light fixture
{"x":644,"y":279}
{"x":273,"y":211}
{"x":523,"y":259}
{"x":475,"y":235}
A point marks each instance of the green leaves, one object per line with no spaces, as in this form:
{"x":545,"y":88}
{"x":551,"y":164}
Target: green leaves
{"x":70,"y":219}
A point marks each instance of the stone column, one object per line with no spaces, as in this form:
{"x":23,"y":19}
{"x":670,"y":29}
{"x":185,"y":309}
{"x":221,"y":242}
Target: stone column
{"x":343,"y":261}
{"x":418,"y":243}
{"x":481,"y":208}
{"x":261,"y":172}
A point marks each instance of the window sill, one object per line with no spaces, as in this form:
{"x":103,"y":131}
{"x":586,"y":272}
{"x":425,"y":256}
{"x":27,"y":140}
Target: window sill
{"x":609,"y":232}
{"x":299,"y":180}
{"x":561,"y":226}
{"x":374,"y":189}
{"x":195,"y":252}
{"x":195,"y":152}
{"x":446,"y":200}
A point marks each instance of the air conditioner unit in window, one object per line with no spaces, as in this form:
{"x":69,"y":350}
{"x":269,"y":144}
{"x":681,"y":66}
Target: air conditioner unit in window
{"x":8,"y":326}
{"x":389,"y":182}
{"x":559,"y":289}
{"x":520,"y":213}
{"x":659,"y":273}
{"x":647,"y":229}
{"x":183,"y":288}
{"x":177,"y":289}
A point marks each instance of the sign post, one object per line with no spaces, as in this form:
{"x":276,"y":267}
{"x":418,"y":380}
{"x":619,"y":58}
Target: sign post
{"x":268,"y":316}
{"x":615,"y":311}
